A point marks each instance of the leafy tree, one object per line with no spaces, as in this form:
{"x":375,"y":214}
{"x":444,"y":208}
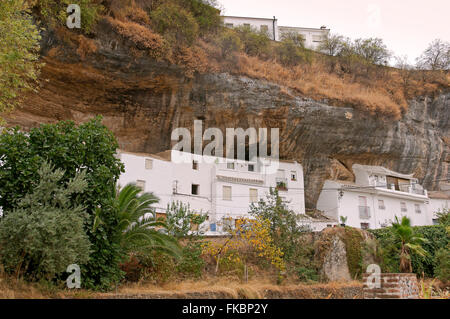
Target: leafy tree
{"x":205,"y":13}
{"x":175,"y":23}
{"x":90,"y":146}
{"x":229,"y":42}
{"x":296,"y":38}
{"x":255,"y":43}
{"x":442,"y":269}
{"x":45,"y":233}
{"x":444,"y":217}
{"x":372,"y":50}
{"x":284,"y":227}
{"x":410,"y":242}
{"x":332,"y":44}
{"x":55,"y":12}
{"x":19,"y":53}
{"x":137,"y":224}
{"x":290,"y":53}
{"x":436,"y":56}
{"x":181,"y":222}
{"x":180,"y":219}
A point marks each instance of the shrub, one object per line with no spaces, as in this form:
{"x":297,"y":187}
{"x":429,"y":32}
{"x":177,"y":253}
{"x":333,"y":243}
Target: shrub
{"x":307,"y":274}
{"x":19,"y":53}
{"x":296,"y":38}
{"x":442,"y":267}
{"x":205,"y":13}
{"x":289,"y":53}
{"x":54,"y":12}
{"x":229,"y":43}
{"x":255,"y":43}
{"x":90,"y":146}
{"x":191,"y":263}
{"x":436,"y":239}
{"x":45,"y":234}
{"x":284,"y":229}
{"x":175,"y":23}
{"x":142,"y":37}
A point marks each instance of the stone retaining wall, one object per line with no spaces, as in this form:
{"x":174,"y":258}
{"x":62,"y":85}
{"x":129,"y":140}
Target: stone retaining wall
{"x":392,"y":286}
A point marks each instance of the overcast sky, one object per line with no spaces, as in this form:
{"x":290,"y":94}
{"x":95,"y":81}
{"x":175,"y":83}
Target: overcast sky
{"x":406,"y":26}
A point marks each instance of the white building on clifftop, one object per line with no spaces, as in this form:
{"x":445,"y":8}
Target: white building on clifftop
{"x":313,"y":36}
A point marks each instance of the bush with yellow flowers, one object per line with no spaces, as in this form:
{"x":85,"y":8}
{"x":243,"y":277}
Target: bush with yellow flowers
{"x":249,"y":237}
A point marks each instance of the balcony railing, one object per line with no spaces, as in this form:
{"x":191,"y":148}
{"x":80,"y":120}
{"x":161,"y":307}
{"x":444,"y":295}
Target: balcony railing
{"x":364,"y":212}
{"x":281,"y":183}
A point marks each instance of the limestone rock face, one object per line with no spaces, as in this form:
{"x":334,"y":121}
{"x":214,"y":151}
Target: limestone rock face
{"x":335,"y":266}
{"x":142,"y":101}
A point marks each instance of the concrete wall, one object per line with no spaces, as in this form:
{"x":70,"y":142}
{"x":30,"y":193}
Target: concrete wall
{"x":313,"y":37}
{"x":256,"y":23}
{"x":435,"y":205}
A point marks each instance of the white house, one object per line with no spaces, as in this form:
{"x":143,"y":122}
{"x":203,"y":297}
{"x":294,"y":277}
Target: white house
{"x":375,"y":198}
{"x":313,"y":36}
{"x":223,"y":188}
{"x":439,"y":202}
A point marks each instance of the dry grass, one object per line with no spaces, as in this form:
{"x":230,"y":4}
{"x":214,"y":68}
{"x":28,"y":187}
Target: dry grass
{"x":143,"y":37}
{"x":255,"y":289}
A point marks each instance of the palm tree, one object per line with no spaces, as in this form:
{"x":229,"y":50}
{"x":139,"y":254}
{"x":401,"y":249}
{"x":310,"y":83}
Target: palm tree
{"x":140,"y":231}
{"x":409,"y":242}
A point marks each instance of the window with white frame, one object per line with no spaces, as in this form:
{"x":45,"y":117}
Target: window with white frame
{"x":141,"y":184}
{"x":229,"y":25}
{"x":381,"y":204}
{"x":253,"y":195}
{"x":230,"y":165}
{"x":148,"y":163}
{"x":365,"y":226}
{"x":226,"y":192}
{"x":417,"y":209}
{"x":403,"y":207}
{"x":251,"y":167}
{"x":195,"y":165}
{"x":293,"y":176}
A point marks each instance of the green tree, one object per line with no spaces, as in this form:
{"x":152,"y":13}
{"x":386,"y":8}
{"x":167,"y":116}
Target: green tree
{"x":180,"y":219}
{"x":296,"y":38}
{"x":410,"y":242}
{"x":184,"y":223}
{"x":90,"y":146}
{"x":255,"y":43}
{"x":19,"y":53}
{"x":137,"y":224}
{"x":443,"y":217}
{"x":175,"y":23}
{"x":372,"y":50}
{"x":45,"y":233}
{"x":54,"y":12}
{"x":229,"y":42}
{"x":289,"y":53}
{"x":284,"y":227}
{"x":332,"y":44}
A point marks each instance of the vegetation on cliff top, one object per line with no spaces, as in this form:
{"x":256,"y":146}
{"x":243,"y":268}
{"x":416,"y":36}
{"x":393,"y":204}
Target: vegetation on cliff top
{"x":189,"y":33}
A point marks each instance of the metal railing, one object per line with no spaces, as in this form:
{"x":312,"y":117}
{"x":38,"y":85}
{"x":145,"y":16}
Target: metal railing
{"x":364,"y":212}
